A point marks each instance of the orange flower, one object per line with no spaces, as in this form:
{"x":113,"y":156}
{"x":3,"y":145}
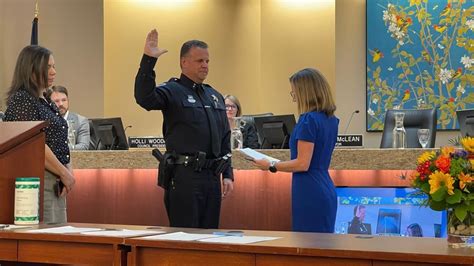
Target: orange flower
{"x":443,"y":163}
{"x":465,"y":180}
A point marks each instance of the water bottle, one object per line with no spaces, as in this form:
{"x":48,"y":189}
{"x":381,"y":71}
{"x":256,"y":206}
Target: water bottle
{"x":399,"y":133}
{"x":236,"y":136}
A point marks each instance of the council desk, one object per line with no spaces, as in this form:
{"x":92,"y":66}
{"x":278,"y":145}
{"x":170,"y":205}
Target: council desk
{"x":119,"y":187}
{"x":290,"y":248}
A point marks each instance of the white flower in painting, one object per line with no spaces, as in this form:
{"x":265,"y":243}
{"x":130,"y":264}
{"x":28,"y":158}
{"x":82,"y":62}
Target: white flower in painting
{"x":445,"y":75}
{"x":386,"y":15}
{"x":401,"y":42}
{"x":420,"y":102}
{"x":466,"y":61}
{"x":440,"y":46}
{"x":375,"y":100}
{"x":460,"y":89}
{"x":392,"y":27}
{"x":399,"y":34}
{"x":371,"y":112}
{"x":470,"y":24}
{"x":390,"y":68}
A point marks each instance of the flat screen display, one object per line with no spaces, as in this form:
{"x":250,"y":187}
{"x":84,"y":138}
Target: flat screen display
{"x":387,"y":211}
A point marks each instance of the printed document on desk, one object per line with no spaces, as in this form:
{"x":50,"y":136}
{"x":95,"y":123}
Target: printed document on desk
{"x":64,"y":230}
{"x":238,"y":239}
{"x":122,"y":233}
{"x":256,"y":155}
{"x":179,"y":236}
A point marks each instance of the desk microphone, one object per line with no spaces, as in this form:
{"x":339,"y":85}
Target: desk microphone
{"x":129,"y":126}
{"x":350,"y":119}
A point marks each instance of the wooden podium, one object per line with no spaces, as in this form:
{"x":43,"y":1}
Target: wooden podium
{"x":21,"y":155}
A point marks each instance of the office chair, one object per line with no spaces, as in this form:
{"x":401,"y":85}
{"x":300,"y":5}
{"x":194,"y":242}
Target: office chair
{"x":414,"y":120}
{"x":94,"y":139}
{"x":466,"y":122}
{"x":389,"y":221}
{"x":249,"y":120}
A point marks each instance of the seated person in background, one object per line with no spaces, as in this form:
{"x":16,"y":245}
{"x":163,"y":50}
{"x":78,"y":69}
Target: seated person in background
{"x":357,"y":225}
{"x":414,"y":230}
{"x":78,"y":123}
{"x":249,"y":133}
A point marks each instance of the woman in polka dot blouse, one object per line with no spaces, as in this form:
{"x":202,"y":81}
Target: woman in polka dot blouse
{"x":34,"y":73}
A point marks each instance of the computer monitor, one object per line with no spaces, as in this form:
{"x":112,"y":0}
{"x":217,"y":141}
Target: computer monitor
{"x":275,"y":131}
{"x":466,"y":122}
{"x":109,"y":133}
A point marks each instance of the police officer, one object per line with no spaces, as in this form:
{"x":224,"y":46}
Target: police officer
{"x":196,"y":132}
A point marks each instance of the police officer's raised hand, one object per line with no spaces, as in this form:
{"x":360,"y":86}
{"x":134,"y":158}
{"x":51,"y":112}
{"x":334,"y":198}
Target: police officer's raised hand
{"x":151,"y":45}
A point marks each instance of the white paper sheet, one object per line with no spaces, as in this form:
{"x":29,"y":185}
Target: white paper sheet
{"x":180,"y":236}
{"x":122,"y":233}
{"x":64,"y":230}
{"x":256,"y":155}
{"x":238,"y":239}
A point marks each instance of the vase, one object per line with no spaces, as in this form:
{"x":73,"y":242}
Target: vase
{"x":236,"y":136}
{"x":460,"y":234}
{"x":399,"y":140}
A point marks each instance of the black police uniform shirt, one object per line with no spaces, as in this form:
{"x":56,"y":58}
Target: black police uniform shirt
{"x":22,"y":106}
{"x":194,"y":114}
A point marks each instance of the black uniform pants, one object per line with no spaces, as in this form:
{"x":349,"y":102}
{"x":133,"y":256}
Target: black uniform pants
{"x":193,"y":198}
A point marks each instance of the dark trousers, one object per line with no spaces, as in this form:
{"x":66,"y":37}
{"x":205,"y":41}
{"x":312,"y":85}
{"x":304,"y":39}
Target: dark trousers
{"x":193,"y":198}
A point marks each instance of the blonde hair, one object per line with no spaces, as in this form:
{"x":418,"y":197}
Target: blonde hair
{"x":236,"y":101}
{"x":312,"y":92}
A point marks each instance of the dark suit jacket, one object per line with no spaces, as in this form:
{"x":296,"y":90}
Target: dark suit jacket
{"x":249,"y":134}
{"x":356,"y":227}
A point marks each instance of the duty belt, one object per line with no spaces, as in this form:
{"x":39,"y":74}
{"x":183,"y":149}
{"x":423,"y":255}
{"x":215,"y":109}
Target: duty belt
{"x":191,"y":159}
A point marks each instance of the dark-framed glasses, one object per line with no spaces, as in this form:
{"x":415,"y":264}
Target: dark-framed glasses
{"x":230,"y":107}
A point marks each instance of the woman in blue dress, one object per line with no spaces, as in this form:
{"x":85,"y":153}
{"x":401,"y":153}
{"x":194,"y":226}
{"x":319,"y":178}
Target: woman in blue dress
{"x":314,"y":199}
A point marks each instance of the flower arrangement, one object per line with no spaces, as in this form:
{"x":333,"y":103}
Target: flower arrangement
{"x":447,"y":178}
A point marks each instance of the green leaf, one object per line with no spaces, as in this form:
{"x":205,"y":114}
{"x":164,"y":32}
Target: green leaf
{"x":471,"y":206}
{"x":469,"y":98}
{"x":440,"y":194}
{"x":419,"y":90}
{"x":425,"y":188}
{"x":450,"y":87}
{"x":437,"y":206}
{"x":461,"y":212}
{"x":455,"y":198}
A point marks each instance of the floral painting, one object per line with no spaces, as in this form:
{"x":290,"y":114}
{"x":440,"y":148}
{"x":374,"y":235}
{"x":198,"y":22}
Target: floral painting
{"x":419,"y":55}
